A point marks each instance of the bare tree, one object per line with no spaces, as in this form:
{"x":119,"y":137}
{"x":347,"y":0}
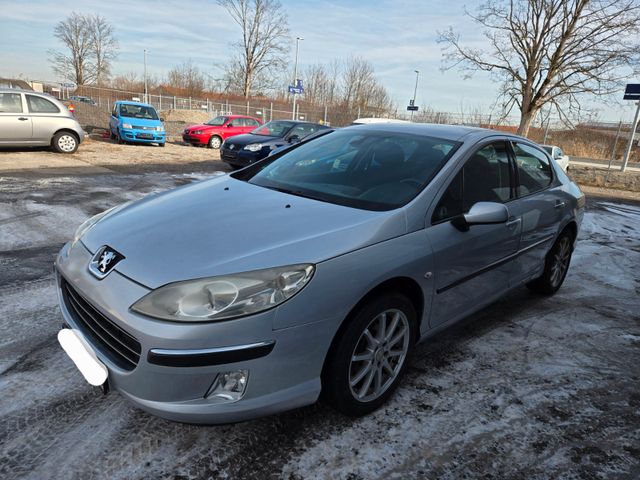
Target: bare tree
{"x":551,"y":51}
{"x":361,"y":89}
{"x":104,"y":47}
{"x":187,"y":77}
{"x":91,"y":46}
{"x":264,"y":42}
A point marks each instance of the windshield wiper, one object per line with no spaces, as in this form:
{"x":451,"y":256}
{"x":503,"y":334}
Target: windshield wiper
{"x":297,"y":193}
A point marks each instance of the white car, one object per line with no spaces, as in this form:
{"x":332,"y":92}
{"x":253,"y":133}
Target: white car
{"x":558,"y":155}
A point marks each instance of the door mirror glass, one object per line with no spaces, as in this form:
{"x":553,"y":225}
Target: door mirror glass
{"x":294,"y":139}
{"x":229,"y":124}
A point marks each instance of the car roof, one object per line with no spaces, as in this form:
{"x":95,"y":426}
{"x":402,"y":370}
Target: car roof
{"x":131,"y":102}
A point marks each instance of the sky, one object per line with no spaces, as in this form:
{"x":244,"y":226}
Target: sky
{"x":396,"y":36}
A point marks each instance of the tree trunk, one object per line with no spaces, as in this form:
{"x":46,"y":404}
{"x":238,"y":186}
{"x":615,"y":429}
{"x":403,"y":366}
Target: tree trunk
{"x":526,"y":118}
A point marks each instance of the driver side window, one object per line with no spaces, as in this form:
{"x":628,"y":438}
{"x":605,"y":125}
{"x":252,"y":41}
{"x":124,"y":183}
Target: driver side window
{"x":485,"y":177}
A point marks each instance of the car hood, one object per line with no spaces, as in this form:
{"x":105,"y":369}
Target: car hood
{"x":248,"y":138}
{"x":202,"y":126}
{"x":142,"y":122}
{"x":225,"y":225}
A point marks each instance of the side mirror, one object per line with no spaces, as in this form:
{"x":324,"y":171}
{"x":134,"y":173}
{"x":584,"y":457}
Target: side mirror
{"x":294,"y":139}
{"x":482,"y":213}
{"x":161,"y":119}
{"x":229,"y":125}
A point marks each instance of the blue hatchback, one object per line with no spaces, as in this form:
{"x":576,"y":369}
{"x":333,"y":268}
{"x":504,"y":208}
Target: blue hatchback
{"x":136,"y":122}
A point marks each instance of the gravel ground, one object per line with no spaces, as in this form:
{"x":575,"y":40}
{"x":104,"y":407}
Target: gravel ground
{"x":528,"y":388}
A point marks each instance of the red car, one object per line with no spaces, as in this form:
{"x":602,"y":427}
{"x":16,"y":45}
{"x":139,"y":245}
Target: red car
{"x":218,"y":129}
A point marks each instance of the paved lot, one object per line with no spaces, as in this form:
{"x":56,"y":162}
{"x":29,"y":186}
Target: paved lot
{"x":529,"y":388}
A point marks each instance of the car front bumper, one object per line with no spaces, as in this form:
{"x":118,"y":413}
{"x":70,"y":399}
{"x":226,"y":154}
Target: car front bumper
{"x":284,"y":377}
{"x":195,"y":139}
{"x":241,"y":158}
{"x":143,"y":136}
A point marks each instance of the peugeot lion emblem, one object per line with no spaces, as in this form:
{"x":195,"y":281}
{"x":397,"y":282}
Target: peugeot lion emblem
{"x":104,"y":261}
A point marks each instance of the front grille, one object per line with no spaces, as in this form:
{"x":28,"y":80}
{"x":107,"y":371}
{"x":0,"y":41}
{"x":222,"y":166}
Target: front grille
{"x":143,"y":127}
{"x":116,"y":344}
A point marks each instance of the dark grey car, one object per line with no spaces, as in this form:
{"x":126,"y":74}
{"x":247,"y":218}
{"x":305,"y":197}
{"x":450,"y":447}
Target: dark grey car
{"x":315,"y":270}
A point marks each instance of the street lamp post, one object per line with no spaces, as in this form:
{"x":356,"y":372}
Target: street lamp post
{"x":415,"y":91}
{"x":295,"y":77}
{"x":145,"y":77}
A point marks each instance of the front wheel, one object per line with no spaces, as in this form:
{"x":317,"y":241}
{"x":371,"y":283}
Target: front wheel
{"x":556,"y":266}
{"x":161,"y":144}
{"x":371,"y":355}
{"x":215,"y":142}
{"x":65,"y":142}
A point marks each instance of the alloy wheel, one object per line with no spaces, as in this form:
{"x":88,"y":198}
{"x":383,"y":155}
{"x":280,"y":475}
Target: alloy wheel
{"x":379,"y":355}
{"x":67,"y":143}
{"x":560,"y":261}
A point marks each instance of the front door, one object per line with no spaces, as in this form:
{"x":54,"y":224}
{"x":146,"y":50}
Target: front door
{"x":473,"y":267}
{"x":15,"y":124}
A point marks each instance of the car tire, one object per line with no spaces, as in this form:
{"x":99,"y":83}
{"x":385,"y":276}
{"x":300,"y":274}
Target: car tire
{"x":161,"y":144}
{"x":119,"y":138}
{"x":65,"y":142}
{"x":215,"y":142}
{"x":556,"y":266}
{"x":367,"y":360}
{"x":112,"y":135}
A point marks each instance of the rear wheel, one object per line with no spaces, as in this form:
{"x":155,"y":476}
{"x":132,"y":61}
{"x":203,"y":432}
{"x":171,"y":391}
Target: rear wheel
{"x":371,"y":355}
{"x":215,"y":142}
{"x":556,"y":266}
{"x":119,"y":138}
{"x":65,"y":142}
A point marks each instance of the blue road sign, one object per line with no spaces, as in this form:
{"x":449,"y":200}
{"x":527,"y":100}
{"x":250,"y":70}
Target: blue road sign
{"x":297,"y":88}
{"x":632,"y":92}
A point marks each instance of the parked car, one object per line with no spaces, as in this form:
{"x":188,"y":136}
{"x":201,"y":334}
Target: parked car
{"x":246,"y":149}
{"x":81,"y":99}
{"x":558,"y":155}
{"x":136,"y":122}
{"x":28,"y":118}
{"x":317,"y":270}
{"x":218,"y":129}
{"x":306,"y":139}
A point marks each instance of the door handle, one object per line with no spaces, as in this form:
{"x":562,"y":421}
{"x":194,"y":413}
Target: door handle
{"x":513,"y":222}
{"x":22,"y":119}
{"x":559,"y":204}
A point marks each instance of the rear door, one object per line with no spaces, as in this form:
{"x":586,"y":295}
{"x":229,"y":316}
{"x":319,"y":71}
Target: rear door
{"x":250,"y":124}
{"x":15,"y":124}
{"x":44,"y":116}
{"x":473,"y":267}
{"x":539,"y":203}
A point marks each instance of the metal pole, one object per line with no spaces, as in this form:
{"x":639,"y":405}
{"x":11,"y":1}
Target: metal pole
{"x":247,"y":107}
{"x":295,"y":76}
{"x":145,"y":76}
{"x":613,"y":151}
{"x":325,"y":114}
{"x":415,"y":91}
{"x":546,"y":131}
{"x":634,"y":125}
{"x":271,"y":112}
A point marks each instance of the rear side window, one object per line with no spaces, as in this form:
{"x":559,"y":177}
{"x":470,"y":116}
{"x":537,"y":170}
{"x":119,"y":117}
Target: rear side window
{"x":534,"y":171}
{"x":485,"y":177}
{"x":41,"y":105}
{"x":10,"y":103}
{"x":251,"y":122}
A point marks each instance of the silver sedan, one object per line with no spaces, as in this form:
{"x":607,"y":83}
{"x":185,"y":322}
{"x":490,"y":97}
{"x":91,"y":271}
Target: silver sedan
{"x":316,"y":270}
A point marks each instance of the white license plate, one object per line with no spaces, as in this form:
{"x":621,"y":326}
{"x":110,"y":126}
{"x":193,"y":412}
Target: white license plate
{"x":78,"y":350}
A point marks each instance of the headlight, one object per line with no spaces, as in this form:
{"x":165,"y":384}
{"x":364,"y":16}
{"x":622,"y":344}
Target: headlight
{"x":226,"y":296}
{"x":126,"y":125}
{"x":197,"y":132}
{"x":254,"y":147}
{"x":160,"y":128}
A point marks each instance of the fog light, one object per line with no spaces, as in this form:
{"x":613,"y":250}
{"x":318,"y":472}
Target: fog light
{"x":228,"y":386}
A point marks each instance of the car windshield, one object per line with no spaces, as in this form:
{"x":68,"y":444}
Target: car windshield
{"x":138,"y":111}
{"x":276,"y":128}
{"x":217,"y":122}
{"x":372,"y":170}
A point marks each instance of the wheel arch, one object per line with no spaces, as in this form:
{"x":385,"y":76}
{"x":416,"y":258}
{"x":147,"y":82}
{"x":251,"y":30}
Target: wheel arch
{"x":403,"y":285}
{"x":67,"y":130}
